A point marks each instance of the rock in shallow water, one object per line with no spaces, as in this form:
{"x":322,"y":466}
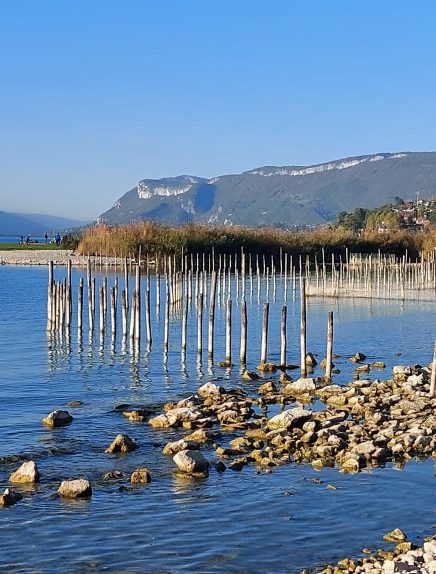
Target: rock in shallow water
{"x":57,"y":419}
{"x":27,"y":473}
{"x":9,"y":497}
{"x":122,"y":443}
{"x":191,"y":462}
{"x":78,"y":488}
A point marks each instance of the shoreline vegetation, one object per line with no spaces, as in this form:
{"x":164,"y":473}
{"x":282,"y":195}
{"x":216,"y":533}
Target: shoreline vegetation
{"x":155,"y":239}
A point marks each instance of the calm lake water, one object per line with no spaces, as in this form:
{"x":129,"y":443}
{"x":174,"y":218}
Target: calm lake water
{"x":231,"y":522}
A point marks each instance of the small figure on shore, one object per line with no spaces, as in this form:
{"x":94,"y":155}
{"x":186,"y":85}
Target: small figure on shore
{"x":21,"y":239}
{"x":46,"y":237}
{"x":28,"y":240}
{"x":58,"y":239}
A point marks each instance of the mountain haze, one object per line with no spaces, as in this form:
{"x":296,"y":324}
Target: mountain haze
{"x":280,"y":196}
{"x":33,"y":223}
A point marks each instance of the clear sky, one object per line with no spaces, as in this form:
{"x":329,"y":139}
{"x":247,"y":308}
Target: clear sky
{"x":97,"y":94}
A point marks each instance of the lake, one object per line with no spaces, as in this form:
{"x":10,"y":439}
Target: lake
{"x":248,"y":521}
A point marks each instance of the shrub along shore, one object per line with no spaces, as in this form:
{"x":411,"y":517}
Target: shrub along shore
{"x":156,"y":239}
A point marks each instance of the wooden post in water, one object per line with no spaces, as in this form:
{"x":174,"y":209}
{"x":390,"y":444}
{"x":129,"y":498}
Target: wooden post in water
{"x":124,"y":313}
{"x":148,"y":317}
{"x":264,"y":346}
{"x":113,"y":311}
{"x":433,"y":374}
{"x":211,"y":316}
{"x":101,"y":310}
{"x":200,"y":323}
{"x":167,"y":322}
{"x":50,"y":291}
{"x":243,"y":348}
{"x":138,"y":300}
{"x":283,"y":337}
{"x":80,"y":306}
{"x":185,"y":325}
{"x":329,"y":357}
{"x":303,"y":326}
{"x":229,"y":332}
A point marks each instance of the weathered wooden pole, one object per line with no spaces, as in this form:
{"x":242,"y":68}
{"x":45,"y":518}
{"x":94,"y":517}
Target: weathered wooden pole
{"x":167,"y":321}
{"x":264,"y":346}
{"x":80,"y":305}
{"x":200,"y":323}
{"x":102,"y":310}
{"x":185,"y":325}
{"x":329,"y":357}
{"x":211,"y":316}
{"x":124,"y":313}
{"x":138,"y":301}
{"x":283,"y":337}
{"x":303,"y":326}
{"x":50,"y":290}
{"x":148,"y":317}
{"x":229,"y":332}
{"x":243,"y":346}
{"x":113,"y":311}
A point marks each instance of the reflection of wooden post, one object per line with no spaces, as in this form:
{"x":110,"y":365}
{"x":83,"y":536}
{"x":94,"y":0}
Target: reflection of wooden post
{"x":229,"y":332}
{"x":133,"y":315}
{"x":283,"y":336}
{"x":303,"y":326}
{"x":433,"y":374}
{"x":264,"y":347}
{"x":243,"y":351}
{"x":200,"y":323}
{"x":329,"y":357}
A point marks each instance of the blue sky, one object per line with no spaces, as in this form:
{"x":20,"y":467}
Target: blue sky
{"x":97,"y":94}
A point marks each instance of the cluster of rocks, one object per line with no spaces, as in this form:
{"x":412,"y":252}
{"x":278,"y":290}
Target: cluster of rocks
{"x":363,"y":424}
{"x":405,"y":557}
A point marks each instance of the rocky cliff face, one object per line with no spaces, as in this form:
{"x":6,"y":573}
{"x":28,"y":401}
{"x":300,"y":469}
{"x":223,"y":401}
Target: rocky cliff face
{"x":283,"y":196}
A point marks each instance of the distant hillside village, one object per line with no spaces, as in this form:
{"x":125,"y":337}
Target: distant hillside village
{"x":411,"y":215}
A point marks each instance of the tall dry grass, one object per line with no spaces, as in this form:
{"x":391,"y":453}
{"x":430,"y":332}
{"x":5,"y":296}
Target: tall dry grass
{"x":160,"y":239}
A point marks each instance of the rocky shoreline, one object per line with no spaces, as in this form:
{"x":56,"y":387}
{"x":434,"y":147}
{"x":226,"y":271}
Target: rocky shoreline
{"x":308,"y":420}
{"x":404,"y":557}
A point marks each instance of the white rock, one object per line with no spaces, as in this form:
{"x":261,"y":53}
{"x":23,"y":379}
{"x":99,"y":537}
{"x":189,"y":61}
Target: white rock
{"x":191,"y":462}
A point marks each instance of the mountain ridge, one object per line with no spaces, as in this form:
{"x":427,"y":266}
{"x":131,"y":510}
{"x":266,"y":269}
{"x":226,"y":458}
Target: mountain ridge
{"x":280,"y":195}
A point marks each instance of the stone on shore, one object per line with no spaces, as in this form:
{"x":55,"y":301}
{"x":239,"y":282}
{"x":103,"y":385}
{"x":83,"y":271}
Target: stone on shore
{"x":78,"y":488}
{"x":191,"y":462}
{"x":9,"y":497}
{"x":172,"y":448}
{"x":57,"y":419}
{"x":395,"y":536}
{"x":27,"y":473}
{"x":122,"y":443}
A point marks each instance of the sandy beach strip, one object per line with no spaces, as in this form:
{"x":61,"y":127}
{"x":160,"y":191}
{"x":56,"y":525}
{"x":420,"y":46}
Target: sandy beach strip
{"x":58,"y":256}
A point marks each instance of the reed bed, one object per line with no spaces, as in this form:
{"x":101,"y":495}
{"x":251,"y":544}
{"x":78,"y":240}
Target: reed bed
{"x":155,"y":239}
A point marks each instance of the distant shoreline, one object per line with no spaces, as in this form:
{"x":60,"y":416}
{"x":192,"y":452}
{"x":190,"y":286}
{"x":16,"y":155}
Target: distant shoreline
{"x":58,"y":256}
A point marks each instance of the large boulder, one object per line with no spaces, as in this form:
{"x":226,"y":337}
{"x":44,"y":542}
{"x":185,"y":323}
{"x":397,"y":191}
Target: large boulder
{"x":78,"y":488}
{"x":302,"y":385}
{"x":57,"y":419}
{"x":9,"y":497}
{"x":288,"y":418}
{"x":122,"y":443}
{"x":191,"y":462}
{"x":27,"y":473}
